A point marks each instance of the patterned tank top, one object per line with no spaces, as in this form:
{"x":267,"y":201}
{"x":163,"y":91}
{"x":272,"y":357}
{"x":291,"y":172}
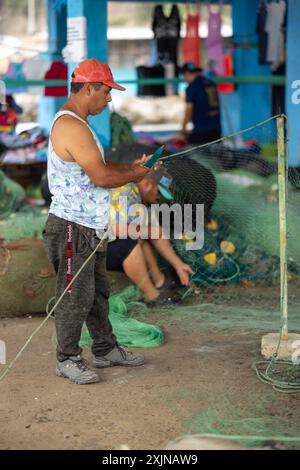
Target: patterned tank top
{"x":75,"y":197}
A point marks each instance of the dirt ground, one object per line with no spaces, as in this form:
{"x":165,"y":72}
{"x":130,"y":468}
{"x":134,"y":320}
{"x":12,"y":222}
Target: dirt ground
{"x":142,"y":407}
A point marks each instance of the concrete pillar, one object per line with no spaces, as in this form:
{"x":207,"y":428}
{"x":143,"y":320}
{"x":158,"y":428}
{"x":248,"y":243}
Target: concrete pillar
{"x":57,"y":30}
{"x":57,"y":38}
{"x":254,"y":100}
{"x":293,"y":82}
{"x":95,"y":12}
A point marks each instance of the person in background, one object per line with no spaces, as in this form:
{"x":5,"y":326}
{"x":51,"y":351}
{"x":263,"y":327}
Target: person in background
{"x":9,"y":114}
{"x":202,"y":107}
{"x":137,"y":257}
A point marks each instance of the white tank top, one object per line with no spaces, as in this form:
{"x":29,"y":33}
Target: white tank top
{"x":75,"y":197}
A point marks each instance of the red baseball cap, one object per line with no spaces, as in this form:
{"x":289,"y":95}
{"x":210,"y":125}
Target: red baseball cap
{"x":94,"y":71}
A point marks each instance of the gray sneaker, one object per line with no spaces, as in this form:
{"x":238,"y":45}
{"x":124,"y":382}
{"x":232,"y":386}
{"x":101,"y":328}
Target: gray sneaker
{"x":119,"y":357}
{"x":76,"y":369}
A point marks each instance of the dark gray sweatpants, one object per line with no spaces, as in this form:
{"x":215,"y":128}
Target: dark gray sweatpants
{"x":68,"y":245}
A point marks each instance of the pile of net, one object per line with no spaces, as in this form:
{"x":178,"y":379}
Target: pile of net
{"x":121,"y":131}
{"x":238,"y":186}
{"x":11,"y":196}
{"x":241,"y":239}
{"x":18,"y":220}
{"x":27,"y":280}
{"x":129,"y":331}
{"x":223,"y":418}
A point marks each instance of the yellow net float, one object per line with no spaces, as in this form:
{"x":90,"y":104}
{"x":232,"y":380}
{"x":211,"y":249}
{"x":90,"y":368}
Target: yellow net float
{"x":227,"y":247}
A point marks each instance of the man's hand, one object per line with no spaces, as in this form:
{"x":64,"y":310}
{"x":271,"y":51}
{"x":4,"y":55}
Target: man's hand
{"x":183,"y":271}
{"x":142,"y":160}
{"x":138,"y":168}
{"x":181,"y":136}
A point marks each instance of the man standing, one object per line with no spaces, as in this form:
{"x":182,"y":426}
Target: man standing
{"x":79,"y":179}
{"x":202,"y":107}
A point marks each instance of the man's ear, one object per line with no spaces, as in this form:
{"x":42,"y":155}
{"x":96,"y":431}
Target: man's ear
{"x":88,"y":89}
{"x":149,"y":185}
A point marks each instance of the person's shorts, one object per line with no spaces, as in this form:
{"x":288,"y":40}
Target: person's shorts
{"x":117,"y":252}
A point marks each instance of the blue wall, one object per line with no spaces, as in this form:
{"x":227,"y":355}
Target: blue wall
{"x":57,"y":38}
{"x":293,"y":74}
{"x":97,"y":47}
{"x":254,"y":100}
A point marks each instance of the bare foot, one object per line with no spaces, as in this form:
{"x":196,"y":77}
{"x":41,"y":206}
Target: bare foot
{"x":151,"y":296}
{"x":159,"y":281}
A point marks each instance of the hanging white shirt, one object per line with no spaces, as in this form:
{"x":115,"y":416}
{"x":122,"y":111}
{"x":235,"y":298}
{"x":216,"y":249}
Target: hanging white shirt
{"x":274,"y":23}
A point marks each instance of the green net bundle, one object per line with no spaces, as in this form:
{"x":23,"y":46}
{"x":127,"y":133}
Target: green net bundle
{"x":11,"y":196}
{"x":120,"y":129}
{"x":238,"y":186}
{"x":18,"y":220}
{"x":27,"y":223}
{"x":223,"y":418}
{"x":241,"y":242}
{"x":129,"y":331}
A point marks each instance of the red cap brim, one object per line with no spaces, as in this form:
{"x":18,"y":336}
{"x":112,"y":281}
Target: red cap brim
{"x":114,"y":85}
{"x":82,"y":79}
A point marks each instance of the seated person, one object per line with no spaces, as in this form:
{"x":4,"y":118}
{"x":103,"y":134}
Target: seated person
{"x":137,"y":257}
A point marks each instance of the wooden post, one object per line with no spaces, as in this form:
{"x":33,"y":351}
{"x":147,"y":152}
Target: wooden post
{"x":282,"y":191}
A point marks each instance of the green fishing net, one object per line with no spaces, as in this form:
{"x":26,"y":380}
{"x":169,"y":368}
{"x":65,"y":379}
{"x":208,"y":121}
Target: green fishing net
{"x":11,"y":196}
{"x":225,"y":418}
{"x":129,"y":331}
{"x":120,"y":129}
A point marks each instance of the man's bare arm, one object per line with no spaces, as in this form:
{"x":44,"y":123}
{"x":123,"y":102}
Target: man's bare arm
{"x":83,"y":149}
{"x":118,"y":166}
{"x":187,"y":116}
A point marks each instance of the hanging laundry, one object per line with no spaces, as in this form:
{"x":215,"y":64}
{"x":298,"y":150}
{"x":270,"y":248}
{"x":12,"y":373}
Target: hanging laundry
{"x":57,"y":71}
{"x":228,"y":72}
{"x":167,"y":34}
{"x":14,"y":72}
{"x":191,"y":45}
{"x":170,"y":73}
{"x":276,"y":11}
{"x":261,"y":19}
{"x":214,"y":40}
{"x":35,"y":69}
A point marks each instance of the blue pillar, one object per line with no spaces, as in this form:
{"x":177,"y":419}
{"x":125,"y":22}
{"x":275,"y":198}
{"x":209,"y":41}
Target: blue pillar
{"x":95,"y":12}
{"x":254,"y":100}
{"x":57,"y":30}
{"x":293,"y":82}
{"x":57,"y":38}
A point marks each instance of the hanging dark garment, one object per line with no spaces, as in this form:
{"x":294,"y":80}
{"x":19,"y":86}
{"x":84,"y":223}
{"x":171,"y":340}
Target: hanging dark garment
{"x":262,"y":34}
{"x":57,"y":71}
{"x":156,"y":71}
{"x":167,"y":34}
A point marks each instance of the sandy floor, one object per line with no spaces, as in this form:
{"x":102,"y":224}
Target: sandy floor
{"x":142,"y":408}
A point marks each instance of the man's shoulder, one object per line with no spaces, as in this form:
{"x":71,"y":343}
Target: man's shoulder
{"x":69,"y":129}
{"x":69,"y":123}
{"x":203,"y":81}
{"x":207,"y":82}
{"x":196,"y":84}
